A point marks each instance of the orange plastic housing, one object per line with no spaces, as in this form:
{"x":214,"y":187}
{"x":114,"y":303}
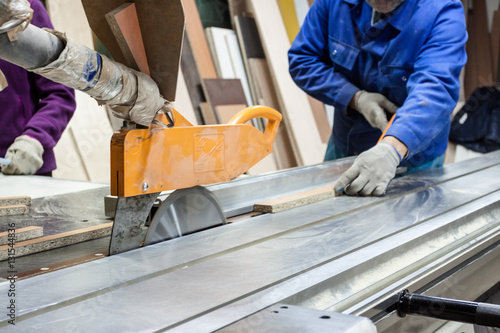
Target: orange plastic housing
{"x":159,"y":159}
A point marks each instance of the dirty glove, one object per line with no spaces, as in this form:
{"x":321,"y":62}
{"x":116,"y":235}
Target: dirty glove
{"x":371,"y":172}
{"x":25,"y":155}
{"x":373,"y":106}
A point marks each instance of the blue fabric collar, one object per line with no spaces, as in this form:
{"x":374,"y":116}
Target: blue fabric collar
{"x":399,"y":18}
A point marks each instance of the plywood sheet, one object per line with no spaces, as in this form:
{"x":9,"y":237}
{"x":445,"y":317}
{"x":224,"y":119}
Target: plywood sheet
{"x":95,"y":11}
{"x":305,"y":138}
{"x":295,"y":200}
{"x":124,"y":24}
{"x":162,"y":26}
{"x":208,"y":114}
{"x":198,"y":41}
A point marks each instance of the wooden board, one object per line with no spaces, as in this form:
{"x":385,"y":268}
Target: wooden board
{"x":248,"y":36}
{"x":183,"y":102}
{"x":192,"y":79}
{"x":20,"y":200}
{"x":305,"y":138}
{"x":483,"y":44}
{"x":226,"y":112}
{"x":14,"y":210}
{"x":471,"y":66}
{"x":124,"y":24}
{"x":495,"y":45}
{"x":95,"y":11}
{"x":295,"y":200}
{"x":227,"y":57}
{"x":266,"y":95}
{"x":21,"y":234}
{"x":289,"y":16}
{"x":198,"y":41}
{"x":162,"y":26}
{"x":56,"y":241}
{"x":224,"y":92}
{"x":301,"y":7}
{"x":208,"y":114}
{"x":152,"y":14}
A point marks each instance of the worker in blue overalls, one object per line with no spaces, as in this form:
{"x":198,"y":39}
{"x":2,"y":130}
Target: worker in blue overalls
{"x":371,"y":59}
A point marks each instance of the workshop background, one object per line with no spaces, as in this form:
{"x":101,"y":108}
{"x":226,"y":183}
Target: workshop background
{"x":232,"y":46}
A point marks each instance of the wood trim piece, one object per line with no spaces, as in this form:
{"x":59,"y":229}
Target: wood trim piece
{"x":56,"y":241}
{"x":199,"y":45}
{"x":295,"y":200}
{"x":305,"y":138}
{"x":124,"y":24}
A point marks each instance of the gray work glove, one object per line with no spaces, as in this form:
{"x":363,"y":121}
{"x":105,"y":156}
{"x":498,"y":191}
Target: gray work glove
{"x":25,"y":155}
{"x":373,"y":107}
{"x":371,"y":172}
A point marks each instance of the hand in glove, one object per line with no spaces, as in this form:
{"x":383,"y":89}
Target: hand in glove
{"x":371,"y":172}
{"x":373,"y":107}
{"x":25,"y":155}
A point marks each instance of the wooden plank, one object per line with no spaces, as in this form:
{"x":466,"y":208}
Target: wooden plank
{"x":95,"y":11}
{"x":224,"y":92}
{"x":495,"y":45}
{"x":20,"y":200}
{"x":483,"y":44}
{"x":14,"y":210}
{"x":208,"y":114}
{"x":471,"y":66}
{"x":226,"y":112}
{"x":295,"y":200}
{"x":198,"y":41}
{"x":56,"y":241}
{"x":266,"y":95}
{"x":21,"y":234}
{"x":248,"y":35}
{"x":289,"y":17}
{"x":305,"y":138}
{"x":124,"y":24}
{"x":162,"y":26}
{"x":192,"y":79}
{"x":183,"y":102}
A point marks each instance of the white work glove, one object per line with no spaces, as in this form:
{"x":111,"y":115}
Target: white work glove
{"x":25,"y":155}
{"x":371,"y":172}
{"x":373,"y":106}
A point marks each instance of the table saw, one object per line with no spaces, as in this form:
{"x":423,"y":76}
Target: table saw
{"x":333,"y":262}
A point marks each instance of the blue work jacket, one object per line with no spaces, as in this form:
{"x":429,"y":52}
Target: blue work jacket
{"x":413,"y":57}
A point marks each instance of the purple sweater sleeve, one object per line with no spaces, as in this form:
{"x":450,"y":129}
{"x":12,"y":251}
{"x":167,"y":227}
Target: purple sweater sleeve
{"x":56,"y":102}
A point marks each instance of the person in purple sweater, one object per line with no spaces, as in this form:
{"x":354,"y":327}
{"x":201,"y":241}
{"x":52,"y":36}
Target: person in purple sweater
{"x":34,"y":113}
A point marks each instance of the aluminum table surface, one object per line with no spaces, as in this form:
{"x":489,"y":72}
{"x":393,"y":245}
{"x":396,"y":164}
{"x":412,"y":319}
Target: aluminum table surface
{"x":239,"y":266}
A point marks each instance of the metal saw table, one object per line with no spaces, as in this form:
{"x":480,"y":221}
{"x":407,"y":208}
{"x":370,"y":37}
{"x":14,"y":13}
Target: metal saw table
{"x":436,"y":232}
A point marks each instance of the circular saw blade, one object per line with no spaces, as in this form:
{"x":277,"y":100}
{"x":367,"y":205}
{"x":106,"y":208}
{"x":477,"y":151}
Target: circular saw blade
{"x":184,"y":212}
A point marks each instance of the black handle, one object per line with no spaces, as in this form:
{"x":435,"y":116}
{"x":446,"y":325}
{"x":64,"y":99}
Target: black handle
{"x":448,"y":309}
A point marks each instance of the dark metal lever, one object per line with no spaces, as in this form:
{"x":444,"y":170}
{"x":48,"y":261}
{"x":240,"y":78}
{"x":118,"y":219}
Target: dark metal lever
{"x":483,"y":314}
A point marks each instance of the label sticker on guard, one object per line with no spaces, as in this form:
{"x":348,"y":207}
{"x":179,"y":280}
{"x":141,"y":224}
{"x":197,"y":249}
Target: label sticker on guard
{"x":208,"y":152}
